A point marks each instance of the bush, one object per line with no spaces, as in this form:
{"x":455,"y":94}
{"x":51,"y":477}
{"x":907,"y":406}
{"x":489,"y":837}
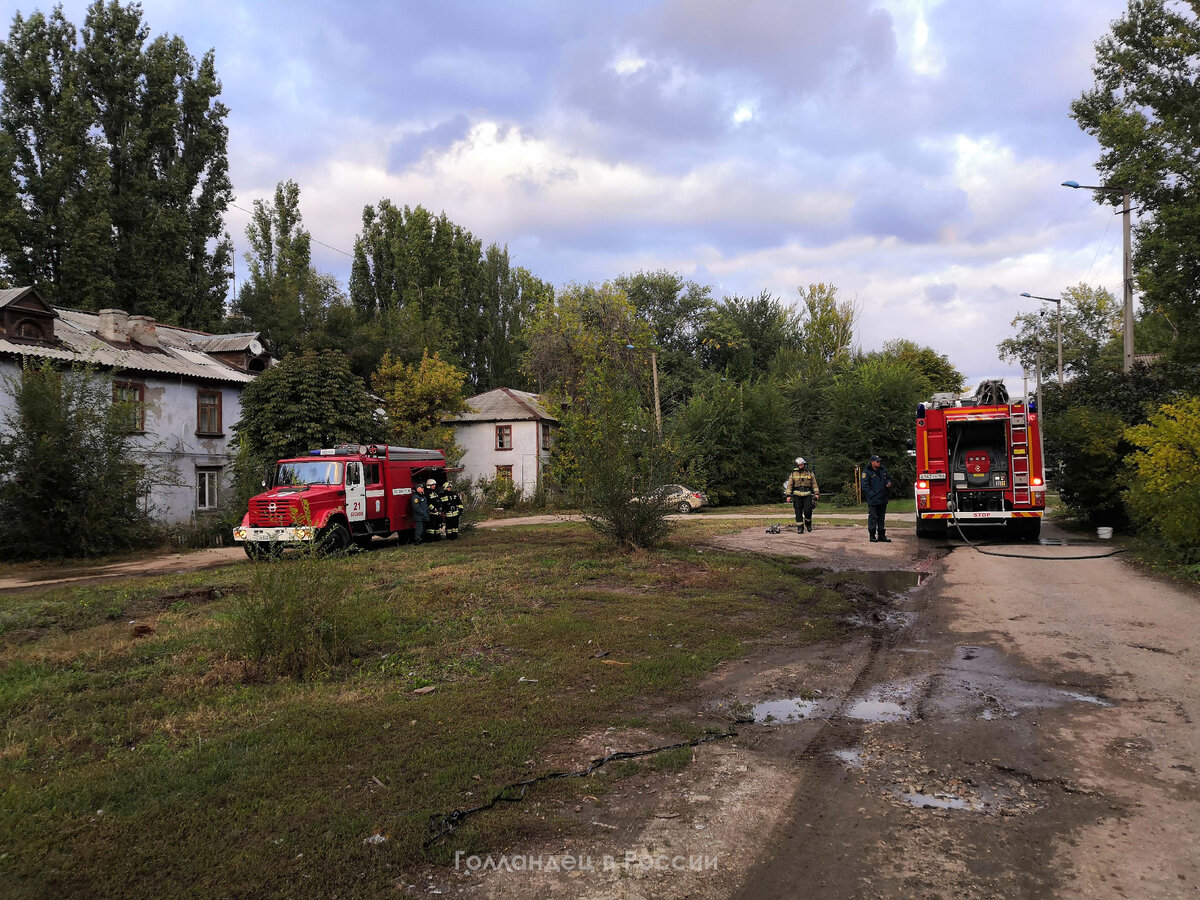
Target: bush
{"x":72,"y":481}
{"x":1085,"y":448}
{"x":300,"y":616}
{"x":1164,"y":492}
{"x":498,"y":492}
{"x":846,"y":497}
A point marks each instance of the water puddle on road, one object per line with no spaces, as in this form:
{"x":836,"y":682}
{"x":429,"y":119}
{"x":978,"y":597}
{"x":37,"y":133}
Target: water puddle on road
{"x":851,"y":758}
{"x":793,"y":709}
{"x":888,"y":581}
{"x":940,"y":801}
{"x":876,"y":711}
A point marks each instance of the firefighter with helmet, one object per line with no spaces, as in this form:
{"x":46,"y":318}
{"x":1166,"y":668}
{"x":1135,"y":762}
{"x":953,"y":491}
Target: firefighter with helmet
{"x":437,"y":512}
{"x":802,"y":492}
{"x":452,"y":509}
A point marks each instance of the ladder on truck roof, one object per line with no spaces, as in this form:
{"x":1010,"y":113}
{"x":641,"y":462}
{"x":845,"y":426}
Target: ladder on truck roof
{"x":1018,"y":427}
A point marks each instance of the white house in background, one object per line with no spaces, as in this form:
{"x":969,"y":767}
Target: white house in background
{"x":186,"y":386}
{"x":506,"y":434}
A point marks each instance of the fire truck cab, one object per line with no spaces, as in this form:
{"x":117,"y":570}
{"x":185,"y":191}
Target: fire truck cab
{"x":349,"y":493}
{"x":979,"y":462}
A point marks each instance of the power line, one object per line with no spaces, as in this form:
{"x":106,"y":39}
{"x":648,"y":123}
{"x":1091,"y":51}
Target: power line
{"x":310,"y":237}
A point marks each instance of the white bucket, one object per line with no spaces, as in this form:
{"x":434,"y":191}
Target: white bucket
{"x":1104,"y":533}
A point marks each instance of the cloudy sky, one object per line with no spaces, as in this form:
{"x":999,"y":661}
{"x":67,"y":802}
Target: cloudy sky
{"x":908,"y":151}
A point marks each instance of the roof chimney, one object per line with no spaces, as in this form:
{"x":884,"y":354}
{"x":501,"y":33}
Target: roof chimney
{"x":114,"y":325}
{"x":142,"y":331}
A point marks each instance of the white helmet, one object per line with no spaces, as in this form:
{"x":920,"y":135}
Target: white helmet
{"x":800,"y":461}
{"x":430,"y":483}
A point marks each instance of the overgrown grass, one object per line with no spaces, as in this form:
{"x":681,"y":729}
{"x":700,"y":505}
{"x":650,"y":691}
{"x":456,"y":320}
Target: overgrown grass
{"x":180,"y":763}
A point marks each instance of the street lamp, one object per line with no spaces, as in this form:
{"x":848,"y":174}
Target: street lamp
{"x":1059,"y":302}
{"x":654,"y":373}
{"x":1128,"y":270}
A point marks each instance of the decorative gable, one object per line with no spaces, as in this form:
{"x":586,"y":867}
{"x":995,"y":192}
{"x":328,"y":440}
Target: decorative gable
{"x":25,"y":317}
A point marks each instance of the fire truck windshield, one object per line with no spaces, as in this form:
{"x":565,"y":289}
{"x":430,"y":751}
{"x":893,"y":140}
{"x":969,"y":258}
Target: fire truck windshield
{"x":315,"y":472}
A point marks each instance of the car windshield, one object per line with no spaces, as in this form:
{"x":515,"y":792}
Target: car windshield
{"x":315,"y":472}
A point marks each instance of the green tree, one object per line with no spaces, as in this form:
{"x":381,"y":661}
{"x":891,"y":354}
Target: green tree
{"x":71,"y":482}
{"x":1142,"y":110}
{"x":117,"y":181}
{"x":587,"y":328}
{"x":284,"y":296}
{"x":428,"y":284}
{"x":418,"y":399}
{"x":936,"y":367}
{"x":1091,"y":334}
{"x":741,"y":436}
{"x":675,"y":310}
{"x":868,"y":410}
{"x":1085,"y":447}
{"x":308,"y":400}
{"x":742,"y":336}
{"x":1164,"y":493}
{"x":55,"y":229}
{"x":827,"y":327}
{"x":164,"y":129}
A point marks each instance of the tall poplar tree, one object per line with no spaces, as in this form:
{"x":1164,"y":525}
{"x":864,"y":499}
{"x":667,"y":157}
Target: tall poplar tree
{"x":117,"y":182}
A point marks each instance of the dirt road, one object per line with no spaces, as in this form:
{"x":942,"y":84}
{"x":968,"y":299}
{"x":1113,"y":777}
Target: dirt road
{"x":1019,"y":727}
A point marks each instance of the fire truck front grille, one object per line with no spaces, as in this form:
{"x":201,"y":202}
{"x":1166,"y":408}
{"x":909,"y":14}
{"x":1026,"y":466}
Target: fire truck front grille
{"x":263,"y":515}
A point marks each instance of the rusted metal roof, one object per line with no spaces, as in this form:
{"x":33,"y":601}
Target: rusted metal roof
{"x":226,"y":343}
{"x":181,"y":351}
{"x":504,"y":405}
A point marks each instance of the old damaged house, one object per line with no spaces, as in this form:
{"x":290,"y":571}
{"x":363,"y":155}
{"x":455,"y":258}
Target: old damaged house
{"x":185,"y":387}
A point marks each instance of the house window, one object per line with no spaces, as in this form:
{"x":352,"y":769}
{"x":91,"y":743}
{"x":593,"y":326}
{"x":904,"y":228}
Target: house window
{"x":132,"y":396}
{"x":504,"y":473}
{"x":29,"y":330}
{"x":503,"y":437}
{"x":208,"y":412}
{"x":207,"y":483}
{"x":545,"y":429}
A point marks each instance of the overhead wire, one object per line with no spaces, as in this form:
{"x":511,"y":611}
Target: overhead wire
{"x":310,"y":237}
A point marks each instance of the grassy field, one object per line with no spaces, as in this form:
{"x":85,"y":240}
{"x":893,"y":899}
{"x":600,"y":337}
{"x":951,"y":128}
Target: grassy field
{"x":265,"y":723}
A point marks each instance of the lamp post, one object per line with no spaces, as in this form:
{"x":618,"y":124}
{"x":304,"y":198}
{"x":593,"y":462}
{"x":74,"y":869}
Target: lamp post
{"x":1128,"y":269}
{"x":1059,"y":302}
{"x":654,"y":376}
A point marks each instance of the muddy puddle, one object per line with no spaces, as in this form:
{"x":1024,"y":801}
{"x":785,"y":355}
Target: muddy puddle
{"x":980,"y":683}
{"x":885,"y":581}
{"x":790,"y":709}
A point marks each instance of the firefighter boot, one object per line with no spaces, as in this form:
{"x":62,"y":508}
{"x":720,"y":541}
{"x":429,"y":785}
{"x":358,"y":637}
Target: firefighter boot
{"x":884,"y":539}
{"x":873,"y":538}
{"x":809,"y":526}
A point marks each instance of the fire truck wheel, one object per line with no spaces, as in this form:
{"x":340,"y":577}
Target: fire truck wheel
{"x":1025,"y":529}
{"x":935,"y":529}
{"x":335,"y":539}
{"x":363,"y":542}
{"x":262,"y":549}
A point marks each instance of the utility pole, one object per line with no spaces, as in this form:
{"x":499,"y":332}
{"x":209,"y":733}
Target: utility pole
{"x":657,"y":405}
{"x":1058,"y":302}
{"x":1128,"y":281}
{"x":1126,"y":263}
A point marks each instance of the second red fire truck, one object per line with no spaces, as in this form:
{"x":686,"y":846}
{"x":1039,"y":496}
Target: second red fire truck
{"x":979,"y":462}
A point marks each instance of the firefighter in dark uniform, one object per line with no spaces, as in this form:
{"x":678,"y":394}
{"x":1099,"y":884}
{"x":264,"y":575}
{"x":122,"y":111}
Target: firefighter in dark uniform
{"x":452,"y":508}
{"x":802,"y":492}
{"x":875,"y":484}
{"x":420,"y":511}
{"x":437,"y":514}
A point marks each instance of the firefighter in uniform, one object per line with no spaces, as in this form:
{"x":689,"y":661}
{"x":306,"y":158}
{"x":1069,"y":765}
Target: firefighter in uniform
{"x":802,"y":492}
{"x":452,"y":508}
{"x":437,"y":514}
{"x":420,"y":511}
{"x":875,"y":484}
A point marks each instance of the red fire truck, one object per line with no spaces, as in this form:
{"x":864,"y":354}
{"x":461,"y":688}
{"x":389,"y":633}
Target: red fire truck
{"x":349,"y":493}
{"x":979,"y":462}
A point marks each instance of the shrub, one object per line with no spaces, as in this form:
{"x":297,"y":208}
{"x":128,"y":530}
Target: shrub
{"x":845,"y":497}
{"x":1164,"y":492}
{"x":1087,"y":445}
{"x":72,"y":480}
{"x":300,"y":616}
